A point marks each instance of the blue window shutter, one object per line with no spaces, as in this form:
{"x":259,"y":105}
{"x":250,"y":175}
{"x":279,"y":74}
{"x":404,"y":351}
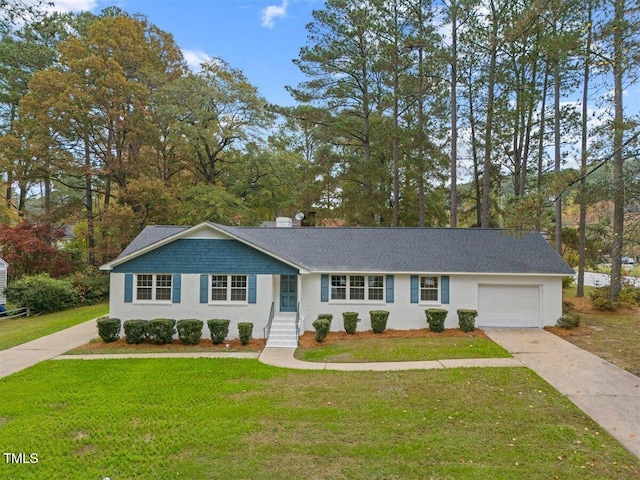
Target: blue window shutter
{"x":389,"y":288}
{"x":204,"y":288}
{"x":251,"y":280}
{"x":177,"y":287}
{"x":444,"y":289}
{"x":324,"y":288}
{"x":415,"y":290}
{"x":128,"y":287}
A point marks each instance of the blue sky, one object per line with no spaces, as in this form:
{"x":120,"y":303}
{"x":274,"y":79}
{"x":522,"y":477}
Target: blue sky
{"x":258,"y":37}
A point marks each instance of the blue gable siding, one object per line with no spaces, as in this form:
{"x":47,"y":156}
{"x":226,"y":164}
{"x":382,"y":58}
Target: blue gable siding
{"x":206,"y":255}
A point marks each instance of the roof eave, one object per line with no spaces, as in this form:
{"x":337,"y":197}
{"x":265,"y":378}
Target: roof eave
{"x":428,"y":272}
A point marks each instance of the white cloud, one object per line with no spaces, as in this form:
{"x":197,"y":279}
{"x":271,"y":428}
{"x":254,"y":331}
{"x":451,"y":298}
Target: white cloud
{"x":272,"y":12}
{"x":72,"y":5}
{"x":194,"y":58}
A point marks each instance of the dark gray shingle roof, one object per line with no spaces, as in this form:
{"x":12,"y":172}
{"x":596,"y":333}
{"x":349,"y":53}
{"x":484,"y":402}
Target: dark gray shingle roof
{"x":437,"y":250}
{"x":408,"y":249}
{"x":150,"y":235}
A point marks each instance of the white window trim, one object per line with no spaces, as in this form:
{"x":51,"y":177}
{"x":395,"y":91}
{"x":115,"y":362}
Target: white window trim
{"x":154,"y":287}
{"x":439,"y":288}
{"x":366,"y":300}
{"x":229,"y":301}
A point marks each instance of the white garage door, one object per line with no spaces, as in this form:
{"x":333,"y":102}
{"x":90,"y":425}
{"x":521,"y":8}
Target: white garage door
{"x":509,"y":306}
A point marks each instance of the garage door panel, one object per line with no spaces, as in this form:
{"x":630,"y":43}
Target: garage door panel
{"x":508,"y":306}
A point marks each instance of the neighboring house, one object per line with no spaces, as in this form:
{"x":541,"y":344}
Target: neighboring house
{"x":3,"y":280}
{"x":256,"y":274}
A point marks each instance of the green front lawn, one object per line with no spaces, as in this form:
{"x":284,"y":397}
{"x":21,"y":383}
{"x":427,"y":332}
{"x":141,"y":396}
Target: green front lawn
{"x":614,"y":337}
{"x":402,"y":350}
{"x":20,"y":330}
{"x":239,"y":419}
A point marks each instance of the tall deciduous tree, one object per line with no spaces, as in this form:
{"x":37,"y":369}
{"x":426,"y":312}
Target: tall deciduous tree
{"x":93,"y":103}
{"x":218,"y":111}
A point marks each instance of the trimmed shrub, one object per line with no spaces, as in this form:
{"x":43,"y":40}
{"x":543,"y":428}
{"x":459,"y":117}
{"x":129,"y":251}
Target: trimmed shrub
{"x":245,"y":330}
{"x":41,"y":294}
{"x":466,"y":319}
{"x":109,"y":329}
{"x":350,"y":322}
{"x":160,"y":330}
{"x":189,"y":331}
{"x":436,"y":318}
{"x":219,"y":329}
{"x":322,"y":326}
{"x":379,"y":320}
{"x":569,"y":320}
{"x":134,"y":330}
{"x":327,"y":316}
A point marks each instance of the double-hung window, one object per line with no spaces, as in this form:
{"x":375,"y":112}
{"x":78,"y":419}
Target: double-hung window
{"x":153,"y":287}
{"x":359,"y":288}
{"x":428,"y":289}
{"x":228,"y":288}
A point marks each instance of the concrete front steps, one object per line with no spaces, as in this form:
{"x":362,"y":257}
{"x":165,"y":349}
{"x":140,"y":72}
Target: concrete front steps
{"x":283,"y":331}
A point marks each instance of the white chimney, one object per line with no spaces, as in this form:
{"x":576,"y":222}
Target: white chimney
{"x":284,"y":222}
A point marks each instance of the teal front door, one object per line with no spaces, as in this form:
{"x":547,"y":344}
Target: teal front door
{"x":288,"y":293}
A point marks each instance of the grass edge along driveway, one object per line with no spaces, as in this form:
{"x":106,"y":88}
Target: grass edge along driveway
{"x":20,"y":330}
{"x":230,"y":418}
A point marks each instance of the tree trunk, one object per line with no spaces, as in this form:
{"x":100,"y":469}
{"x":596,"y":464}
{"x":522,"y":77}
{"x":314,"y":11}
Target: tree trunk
{"x":486,"y":174}
{"x":22,"y":198}
{"x":582,"y":226}
{"x":88,"y":182}
{"x":618,"y":172}
{"x":453,"y":219}
{"x":474,"y":154}
{"x":543,"y":109}
{"x":396,"y":143}
{"x":557,"y":143}
{"x":422,"y":215}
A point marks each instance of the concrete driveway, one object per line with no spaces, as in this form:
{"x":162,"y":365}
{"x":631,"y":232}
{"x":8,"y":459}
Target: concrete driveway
{"x":608,"y":394}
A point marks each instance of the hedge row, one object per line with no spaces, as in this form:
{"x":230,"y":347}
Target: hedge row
{"x":161,"y":330}
{"x":322,"y":325}
{"x":435,"y":319}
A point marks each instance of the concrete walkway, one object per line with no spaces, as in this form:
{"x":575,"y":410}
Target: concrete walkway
{"x":608,"y":394}
{"x":23,"y":356}
{"x":283,"y":357}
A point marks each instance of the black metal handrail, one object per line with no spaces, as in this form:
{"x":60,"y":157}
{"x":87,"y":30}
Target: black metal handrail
{"x":267,"y":328}
{"x":298,"y":322}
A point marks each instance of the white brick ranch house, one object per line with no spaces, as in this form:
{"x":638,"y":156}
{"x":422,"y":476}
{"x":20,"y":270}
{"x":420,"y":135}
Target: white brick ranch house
{"x":280,"y":278}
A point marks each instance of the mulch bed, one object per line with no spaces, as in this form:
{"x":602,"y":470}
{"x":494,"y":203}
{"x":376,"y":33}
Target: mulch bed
{"x":574,"y":332}
{"x":205,"y":344}
{"x":307,"y":340}
{"x":257,"y":344}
